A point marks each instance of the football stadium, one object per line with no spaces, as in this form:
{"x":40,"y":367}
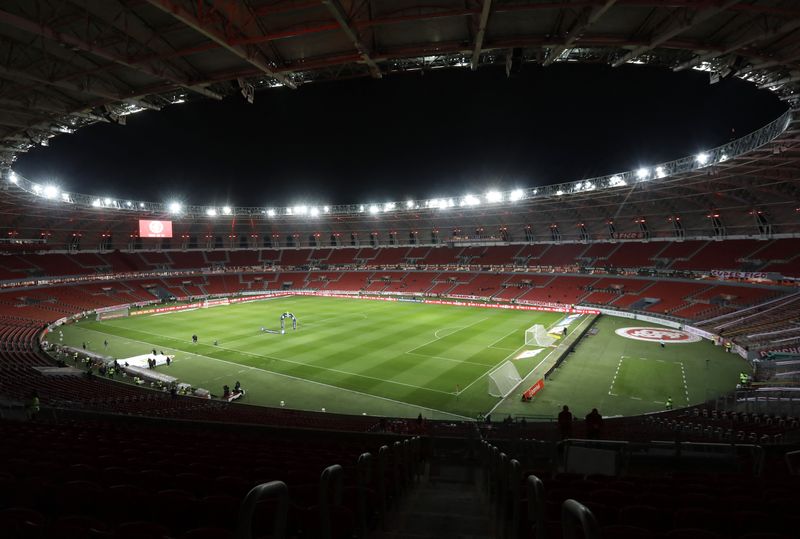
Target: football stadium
{"x":613,"y":355}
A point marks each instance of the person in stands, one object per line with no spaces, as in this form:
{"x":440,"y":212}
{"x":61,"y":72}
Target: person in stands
{"x":594,"y":424}
{"x":565,"y":422}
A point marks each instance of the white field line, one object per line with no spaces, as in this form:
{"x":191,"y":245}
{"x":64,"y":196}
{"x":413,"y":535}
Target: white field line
{"x":309,"y":365}
{"x":249,"y":367}
{"x":437,"y":338}
{"x":614,"y":379}
{"x":447,"y":359}
{"x":436,"y":333}
{"x":685,"y":385}
{"x":501,"y":338}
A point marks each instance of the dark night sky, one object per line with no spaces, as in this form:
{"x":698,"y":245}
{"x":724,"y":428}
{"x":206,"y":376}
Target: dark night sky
{"x":442,"y":134}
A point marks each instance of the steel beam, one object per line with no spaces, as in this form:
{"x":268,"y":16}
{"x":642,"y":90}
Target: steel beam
{"x":190,"y":20}
{"x":669,"y":33}
{"x":727,"y":49}
{"x":581,"y":25}
{"x":42,"y":30}
{"x":486,"y":10}
{"x":339,"y":14}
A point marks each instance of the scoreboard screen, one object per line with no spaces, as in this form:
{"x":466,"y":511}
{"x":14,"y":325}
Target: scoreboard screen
{"x":155,"y":229}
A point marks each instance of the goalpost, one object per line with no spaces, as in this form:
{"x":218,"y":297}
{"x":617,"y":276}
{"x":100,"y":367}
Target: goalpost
{"x":503,"y":380}
{"x":110,"y":313}
{"x":537,"y":336}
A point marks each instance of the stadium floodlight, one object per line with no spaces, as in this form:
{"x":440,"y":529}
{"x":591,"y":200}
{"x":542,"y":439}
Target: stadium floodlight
{"x":389,"y":206}
{"x":559,"y":192}
{"x":470,"y":200}
{"x":96,"y":203}
{"x":409,"y":204}
{"x":107,"y":201}
{"x":517,"y":194}
{"x":374,"y":209}
{"x":65,"y":197}
{"x":37,"y":188}
{"x":361,"y":208}
{"x":314,"y":212}
{"x":270,"y":213}
{"x":141,"y":204}
{"x":175,"y":207}
{"x":13,"y":178}
{"x":702,"y":158}
{"x":660,"y":172}
{"x":616,"y":181}
{"x":450,"y":203}
{"x":494,"y":196}
{"x":642,"y":173}
{"x":326,"y":209}
{"x":723,"y":158}
{"x":226,"y":210}
{"x":129,"y":203}
{"x":50,"y":191}
{"x":211,"y":212}
{"x":300,"y":210}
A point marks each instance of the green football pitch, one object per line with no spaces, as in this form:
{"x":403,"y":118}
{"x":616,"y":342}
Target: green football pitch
{"x":401,"y":359}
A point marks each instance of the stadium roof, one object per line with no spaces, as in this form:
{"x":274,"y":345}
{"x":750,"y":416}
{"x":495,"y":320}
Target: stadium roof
{"x":68,"y":64}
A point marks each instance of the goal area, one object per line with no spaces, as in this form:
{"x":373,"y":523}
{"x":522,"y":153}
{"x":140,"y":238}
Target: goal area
{"x":503,"y":380}
{"x":112,"y":312}
{"x":537,"y":336}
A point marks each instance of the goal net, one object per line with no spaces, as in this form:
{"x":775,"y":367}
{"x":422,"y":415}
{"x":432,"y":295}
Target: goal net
{"x":537,"y":336}
{"x":214,"y":302}
{"x":111,"y":313}
{"x":503,"y":380}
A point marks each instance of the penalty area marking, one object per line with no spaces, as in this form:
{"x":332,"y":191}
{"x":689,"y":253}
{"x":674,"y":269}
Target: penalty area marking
{"x":437,"y":338}
{"x":252,"y":368}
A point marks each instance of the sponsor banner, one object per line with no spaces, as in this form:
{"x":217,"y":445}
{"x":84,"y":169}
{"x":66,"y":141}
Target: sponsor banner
{"x":700,"y":333}
{"x":509,"y":306}
{"x":727,"y":274}
{"x":653,"y":334}
{"x":784,"y":350}
{"x":171,"y":309}
{"x":643,"y":317}
{"x":534,"y":389}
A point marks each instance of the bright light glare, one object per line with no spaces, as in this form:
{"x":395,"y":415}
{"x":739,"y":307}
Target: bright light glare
{"x":389,"y":206}
{"x":13,"y":178}
{"x":141,"y":204}
{"x":616,"y":181}
{"x":559,"y":192}
{"x":409,"y":204}
{"x":494,"y":196}
{"x":374,"y":209}
{"x":50,"y":191}
{"x":470,"y":200}
{"x":226,"y":210}
{"x":175,"y":207}
{"x":37,"y":188}
{"x":702,"y":158}
{"x":129,"y":203}
{"x":211,"y":212}
{"x":65,"y":197}
{"x":270,"y":213}
{"x":326,"y":209}
{"x":314,"y":212}
{"x":96,"y":203}
{"x":301,"y":210}
{"x":642,"y":173}
{"x":517,"y":194}
{"x":723,"y":158}
{"x":660,"y":172}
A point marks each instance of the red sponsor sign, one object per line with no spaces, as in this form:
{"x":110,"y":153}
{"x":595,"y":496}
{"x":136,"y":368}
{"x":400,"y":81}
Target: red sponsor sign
{"x":534,"y":389}
{"x":155,"y":229}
